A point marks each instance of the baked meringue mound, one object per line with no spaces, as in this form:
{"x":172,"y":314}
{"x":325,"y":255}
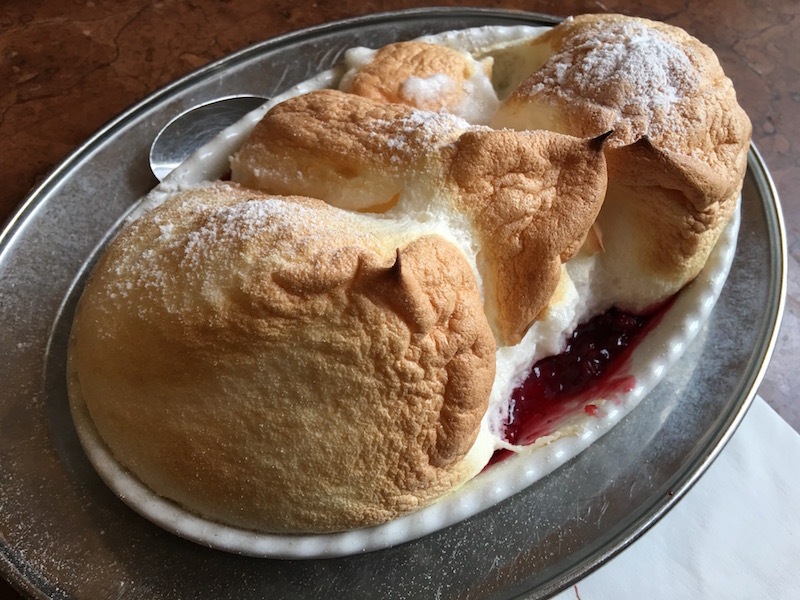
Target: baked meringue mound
{"x":523,"y":202}
{"x":302,"y":371}
{"x":426,"y":76}
{"x":678,"y":154}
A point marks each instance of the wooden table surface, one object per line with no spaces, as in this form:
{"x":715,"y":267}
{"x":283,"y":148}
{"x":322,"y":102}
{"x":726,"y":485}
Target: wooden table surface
{"x":66,"y":68}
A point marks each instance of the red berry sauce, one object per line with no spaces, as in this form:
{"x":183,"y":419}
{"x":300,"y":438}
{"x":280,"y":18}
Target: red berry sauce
{"x":592,"y":365}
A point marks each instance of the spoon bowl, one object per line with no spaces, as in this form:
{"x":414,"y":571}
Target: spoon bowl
{"x":194,"y":127}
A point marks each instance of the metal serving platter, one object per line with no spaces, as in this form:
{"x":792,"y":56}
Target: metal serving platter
{"x":63,"y":534}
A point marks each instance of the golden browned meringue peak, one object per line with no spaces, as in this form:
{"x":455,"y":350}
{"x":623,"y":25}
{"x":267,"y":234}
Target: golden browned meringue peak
{"x":677,"y":157}
{"x":426,"y":76}
{"x":283,"y":365}
{"x":529,"y":199}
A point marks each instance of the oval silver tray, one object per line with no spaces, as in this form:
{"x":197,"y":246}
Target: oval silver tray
{"x":63,"y":534}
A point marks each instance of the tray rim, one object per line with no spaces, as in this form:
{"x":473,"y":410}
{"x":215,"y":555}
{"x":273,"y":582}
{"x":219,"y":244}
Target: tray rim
{"x":14,"y":224}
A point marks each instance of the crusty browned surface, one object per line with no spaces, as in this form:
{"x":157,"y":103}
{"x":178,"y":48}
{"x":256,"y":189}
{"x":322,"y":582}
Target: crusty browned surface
{"x":272,"y":363}
{"x":384,"y":77}
{"x":530,"y":198}
{"x":351,"y":152}
{"x":677,"y":156}
{"x":533,"y":198}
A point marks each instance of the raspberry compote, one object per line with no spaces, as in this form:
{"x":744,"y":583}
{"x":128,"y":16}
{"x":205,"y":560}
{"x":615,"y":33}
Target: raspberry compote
{"x":593,"y":365}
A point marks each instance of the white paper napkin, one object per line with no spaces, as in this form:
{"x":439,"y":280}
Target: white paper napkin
{"x":736,"y":533}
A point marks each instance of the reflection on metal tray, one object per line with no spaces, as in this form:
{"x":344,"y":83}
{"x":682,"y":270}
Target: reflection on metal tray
{"x":63,"y":534}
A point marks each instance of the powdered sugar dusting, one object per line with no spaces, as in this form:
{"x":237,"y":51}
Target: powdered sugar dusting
{"x":659,"y":71}
{"x":634,"y":69}
{"x":478,"y":98}
{"x":424,"y":90}
{"x":242,"y":222}
{"x":418,"y":132}
{"x":205,"y":247}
